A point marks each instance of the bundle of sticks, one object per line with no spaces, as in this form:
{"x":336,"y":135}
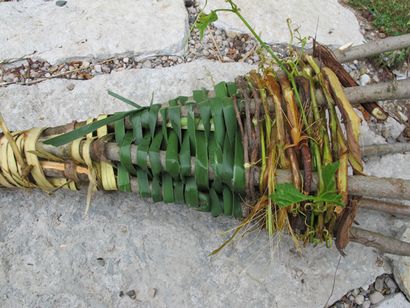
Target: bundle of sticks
{"x":269,"y":149}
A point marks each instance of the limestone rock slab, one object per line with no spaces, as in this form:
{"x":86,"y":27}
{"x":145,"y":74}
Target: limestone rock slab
{"x":50,"y":254}
{"x":92,"y":28}
{"x":396,"y":301}
{"x":52,"y":102}
{"x":335,"y":24}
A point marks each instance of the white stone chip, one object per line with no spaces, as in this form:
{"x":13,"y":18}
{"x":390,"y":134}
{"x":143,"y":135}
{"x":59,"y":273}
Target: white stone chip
{"x":335,"y":24}
{"x":92,"y":28}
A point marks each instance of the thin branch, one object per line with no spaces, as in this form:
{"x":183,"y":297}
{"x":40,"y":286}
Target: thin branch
{"x":379,"y":241}
{"x":373,"y":48}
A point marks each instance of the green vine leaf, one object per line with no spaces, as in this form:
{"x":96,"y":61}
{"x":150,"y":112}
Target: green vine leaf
{"x":204,"y":20}
{"x":329,"y":197}
{"x":329,"y":179}
{"x":287,"y":194}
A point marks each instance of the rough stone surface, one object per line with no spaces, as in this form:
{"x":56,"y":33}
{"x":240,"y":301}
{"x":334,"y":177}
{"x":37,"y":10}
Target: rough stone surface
{"x":51,"y":103}
{"x":129,"y":247}
{"x":93,"y":28}
{"x":336,"y":25}
{"x":396,"y":301}
{"x":401,"y":267}
{"x":49,"y":254}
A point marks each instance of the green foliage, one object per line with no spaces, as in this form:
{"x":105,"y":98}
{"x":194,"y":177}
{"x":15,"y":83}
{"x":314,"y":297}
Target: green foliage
{"x":392,"y":17}
{"x":287,"y":194}
{"x":204,"y":20}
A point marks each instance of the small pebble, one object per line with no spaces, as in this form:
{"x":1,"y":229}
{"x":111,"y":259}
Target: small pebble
{"x":47,"y":75}
{"x":366,"y":304}
{"x":97,"y":68}
{"x":356,"y":292}
{"x":390,"y":283}
{"x":34,"y":74}
{"x":125,"y":60}
{"x":8,"y":77}
{"x":379,"y":284}
{"x":101,"y":261}
{"x":106,"y":69}
{"x":376,"y":297}
{"x":359,"y":299}
{"x":147,"y":64}
{"x":132,"y":294}
{"x":61,"y":3}
{"x":85,"y":64}
{"x":364,"y":80}
{"x":152,"y":292}
{"x":70,"y":87}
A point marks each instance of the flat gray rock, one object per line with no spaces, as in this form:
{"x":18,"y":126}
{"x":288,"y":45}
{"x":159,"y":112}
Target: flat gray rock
{"x":334,"y":23}
{"x":50,"y":255}
{"x":396,"y":301}
{"x":54,"y":103}
{"x":92,"y":28}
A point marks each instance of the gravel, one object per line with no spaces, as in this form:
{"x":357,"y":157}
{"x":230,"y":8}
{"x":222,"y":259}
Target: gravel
{"x":384,"y":286}
{"x":376,"y":297}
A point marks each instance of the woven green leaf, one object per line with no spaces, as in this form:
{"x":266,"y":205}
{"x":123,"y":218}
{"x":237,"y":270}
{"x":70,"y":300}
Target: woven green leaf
{"x":191,"y":126}
{"x":226,"y":165}
{"x":174,"y":114}
{"x":167,"y":188}
{"x":153,"y":117}
{"x":216,"y":203}
{"x":201,"y":161}
{"x":228,"y":200}
{"x":191,"y":193}
{"x":143,"y":184}
{"x":204,"y":202}
{"x":164,"y":115}
{"x":137,"y":127}
{"x":179,"y":192}
{"x":86,"y":129}
{"x":123,"y":177}
{"x":185,"y":156}
{"x":156,"y":189}
{"x":220,"y":89}
{"x":123,"y":99}
{"x":230,"y":119}
{"x":218,"y":119}
{"x":171,"y":159}
{"x":125,"y":153}
{"x":154,"y":153}
{"x":205,"y":112}
{"x":200,"y":95}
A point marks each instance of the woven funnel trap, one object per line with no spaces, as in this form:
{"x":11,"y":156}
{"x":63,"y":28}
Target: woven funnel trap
{"x":263,"y":149}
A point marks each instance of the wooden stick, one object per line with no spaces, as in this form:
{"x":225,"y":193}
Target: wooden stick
{"x":384,"y":149}
{"x":373,"y":48}
{"x":396,"y":209}
{"x":381,"y":91}
{"x":366,"y":186}
{"x":381,"y":242}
